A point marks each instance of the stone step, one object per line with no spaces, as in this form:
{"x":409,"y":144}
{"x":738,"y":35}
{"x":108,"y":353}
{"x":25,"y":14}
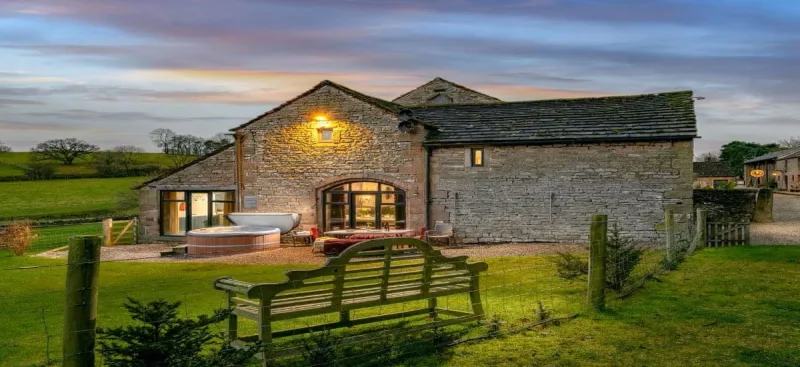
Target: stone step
{"x":177,"y":250}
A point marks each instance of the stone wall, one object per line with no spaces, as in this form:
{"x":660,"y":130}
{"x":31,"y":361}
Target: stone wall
{"x":509,"y":199}
{"x":287,"y":167}
{"x":726,"y":205}
{"x":213,"y":172}
{"x":427,"y":94}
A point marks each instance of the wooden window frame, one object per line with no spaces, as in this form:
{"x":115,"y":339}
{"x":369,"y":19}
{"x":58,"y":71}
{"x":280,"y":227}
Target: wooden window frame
{"x":187,"y":200}
{"x":472,"y":152}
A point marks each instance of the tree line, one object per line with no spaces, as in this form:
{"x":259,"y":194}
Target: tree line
{"x":123,"y":160}
{"x":737,"y":152}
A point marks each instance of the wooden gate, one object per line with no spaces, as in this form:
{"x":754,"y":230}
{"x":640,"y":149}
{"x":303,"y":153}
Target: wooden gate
{"x":728,"y":234}
{"x":120,"y":232}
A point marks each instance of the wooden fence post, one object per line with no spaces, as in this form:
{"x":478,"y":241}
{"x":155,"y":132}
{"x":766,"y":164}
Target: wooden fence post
{"x":669,"y":222}
{"x":597,"y":262}
{"x":108,"y":229}
{"x":80,"y":308}
{"x":701,"y":231}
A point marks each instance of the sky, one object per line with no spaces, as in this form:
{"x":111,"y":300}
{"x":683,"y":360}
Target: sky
{"x":110,"y":71}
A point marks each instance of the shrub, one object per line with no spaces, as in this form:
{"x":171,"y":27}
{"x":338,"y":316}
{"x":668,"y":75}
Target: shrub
{"x":319,"y":349}
{"x":18,"y":237}
{"x":569,"y":266}
{"x":40,"y":171}
{"x":622,"y":256}
{"x":162,"y":339}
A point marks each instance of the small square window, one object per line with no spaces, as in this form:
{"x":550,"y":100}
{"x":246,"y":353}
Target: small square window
{"x":476,"y":157}
{"x":326,"y":135}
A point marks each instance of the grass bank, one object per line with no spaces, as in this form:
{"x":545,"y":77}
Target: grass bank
{"x":723,"y":307}
{"x":64,"y":198}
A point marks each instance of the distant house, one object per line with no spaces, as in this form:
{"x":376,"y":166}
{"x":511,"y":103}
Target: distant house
{"x":497,"y":171}
{"x":782,"y":167}
{"x":712,"y":174}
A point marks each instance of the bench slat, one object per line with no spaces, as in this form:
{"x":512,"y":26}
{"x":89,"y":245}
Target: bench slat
{"x":399,"y":258}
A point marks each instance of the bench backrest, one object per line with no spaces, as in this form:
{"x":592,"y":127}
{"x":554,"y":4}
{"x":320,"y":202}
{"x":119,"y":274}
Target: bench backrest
{"x":376,"y":270}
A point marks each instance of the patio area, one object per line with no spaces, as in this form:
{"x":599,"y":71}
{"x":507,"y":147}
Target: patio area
{"x":288,"y":254}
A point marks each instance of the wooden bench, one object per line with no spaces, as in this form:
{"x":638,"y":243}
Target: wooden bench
{"x":373,"y":273}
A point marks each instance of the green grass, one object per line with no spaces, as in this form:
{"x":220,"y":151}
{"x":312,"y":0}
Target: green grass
{"x":723,"y":307}
{"x":64,"y":198}
{"x":9,"y":163}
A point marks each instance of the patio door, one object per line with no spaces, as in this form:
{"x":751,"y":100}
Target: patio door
{"x":363,"y":205}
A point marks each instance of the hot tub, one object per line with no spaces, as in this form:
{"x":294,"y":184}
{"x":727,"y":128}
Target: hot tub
{"x":283,"y":221}
{"x":231,"y":240}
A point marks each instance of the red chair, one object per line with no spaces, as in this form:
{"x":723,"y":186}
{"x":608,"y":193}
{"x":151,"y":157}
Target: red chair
{"x":422,"y":233}
{"x":314,"y":234}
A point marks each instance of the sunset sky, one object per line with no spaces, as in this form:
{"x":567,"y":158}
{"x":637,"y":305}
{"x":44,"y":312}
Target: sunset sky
{"x":109,"y":71}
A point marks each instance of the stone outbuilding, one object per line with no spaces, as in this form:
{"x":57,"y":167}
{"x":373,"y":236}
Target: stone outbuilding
{"x":498,"y":171}
{"x":780,"y":169}
{"x":713,"y":174}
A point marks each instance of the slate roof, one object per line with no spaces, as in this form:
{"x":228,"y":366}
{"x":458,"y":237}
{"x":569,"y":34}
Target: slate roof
{"x":438,"y":79}
{"x":781,"y":154}
{"x":713,"y":169}
{"x":377,"y":102}
{"x":183,"y":167}
{"x":646,"y":117}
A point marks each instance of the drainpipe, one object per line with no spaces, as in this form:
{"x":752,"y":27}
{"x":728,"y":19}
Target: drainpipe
{"x":239,"y":172}
{"x":428,"y":153}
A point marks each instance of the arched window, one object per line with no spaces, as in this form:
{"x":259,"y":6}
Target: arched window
{"x":363,"y":205}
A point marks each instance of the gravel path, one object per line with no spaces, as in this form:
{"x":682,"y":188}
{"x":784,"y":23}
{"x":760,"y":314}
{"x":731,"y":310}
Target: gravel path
{"x":303,"y":255}
{"x":786,"y":228}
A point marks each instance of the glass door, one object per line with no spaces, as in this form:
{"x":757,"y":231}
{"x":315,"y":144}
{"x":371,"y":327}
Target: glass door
{"x":200,"y":217}
{"x":365,"y":213}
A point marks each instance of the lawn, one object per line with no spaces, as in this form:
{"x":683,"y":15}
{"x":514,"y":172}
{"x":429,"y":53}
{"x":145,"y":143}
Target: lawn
{"x":723,"y":307}
{"x":9,"y":163}
{"x":64,"y":198}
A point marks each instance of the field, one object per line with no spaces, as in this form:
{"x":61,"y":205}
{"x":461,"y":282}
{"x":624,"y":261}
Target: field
{"x":64,"y":198}
{"x":723,"y":307}
{"x":9,"y":163}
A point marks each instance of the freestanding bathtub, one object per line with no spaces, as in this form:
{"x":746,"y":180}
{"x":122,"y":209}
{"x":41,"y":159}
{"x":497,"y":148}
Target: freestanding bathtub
{"x":251,"y":232}
{"x":283,"y":221}
{"x":231,"y":240}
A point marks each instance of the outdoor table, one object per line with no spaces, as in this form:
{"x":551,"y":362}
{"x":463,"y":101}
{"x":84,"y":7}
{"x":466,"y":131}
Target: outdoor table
{"x":344,"y":233}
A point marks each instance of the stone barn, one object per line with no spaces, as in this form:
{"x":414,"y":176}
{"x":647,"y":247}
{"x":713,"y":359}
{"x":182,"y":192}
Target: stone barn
{"x":498,"y":171}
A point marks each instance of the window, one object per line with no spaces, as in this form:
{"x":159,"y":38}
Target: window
{"x":363,"y":205}
{"x":326,"y":135}
{"x":476,"y":157}
{"x":182,"y":211}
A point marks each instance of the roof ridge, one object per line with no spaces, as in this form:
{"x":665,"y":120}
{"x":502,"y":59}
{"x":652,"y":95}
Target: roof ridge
{"x":504,"y":103}
{"x":377,"y":102}
{"x":436,"y":79}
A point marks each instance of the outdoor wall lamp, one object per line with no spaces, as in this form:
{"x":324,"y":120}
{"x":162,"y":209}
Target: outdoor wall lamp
{"x":322,"y":121}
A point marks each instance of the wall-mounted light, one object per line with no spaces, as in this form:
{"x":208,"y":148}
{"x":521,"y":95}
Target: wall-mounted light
{"x":322,"y":121}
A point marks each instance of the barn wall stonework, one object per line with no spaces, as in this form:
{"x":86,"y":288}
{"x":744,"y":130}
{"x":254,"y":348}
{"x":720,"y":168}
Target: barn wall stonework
{"x":286,"y":166}
{"x":548,"y":193}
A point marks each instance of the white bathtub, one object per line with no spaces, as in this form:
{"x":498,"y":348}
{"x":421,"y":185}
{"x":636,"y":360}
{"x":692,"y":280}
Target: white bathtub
{"x":285,"y":222}
{"x":233,"y":231}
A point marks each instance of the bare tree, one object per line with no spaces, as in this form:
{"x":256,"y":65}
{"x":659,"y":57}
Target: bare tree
{"x":4,"y":148}
{"x":65,"y":151}
{"x":708,"y":157}
{"x":793,"y":142}
{"x":128,"y":156}
{"x":163,"y":138}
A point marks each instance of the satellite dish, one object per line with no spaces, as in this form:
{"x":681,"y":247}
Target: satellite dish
{"x":405,"y":126}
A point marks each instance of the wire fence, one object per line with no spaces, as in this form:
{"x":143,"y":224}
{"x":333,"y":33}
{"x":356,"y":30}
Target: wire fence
{"x":519,"y":289}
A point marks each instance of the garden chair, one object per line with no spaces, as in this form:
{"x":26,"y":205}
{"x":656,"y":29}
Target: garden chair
{"x":441,"y":231}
